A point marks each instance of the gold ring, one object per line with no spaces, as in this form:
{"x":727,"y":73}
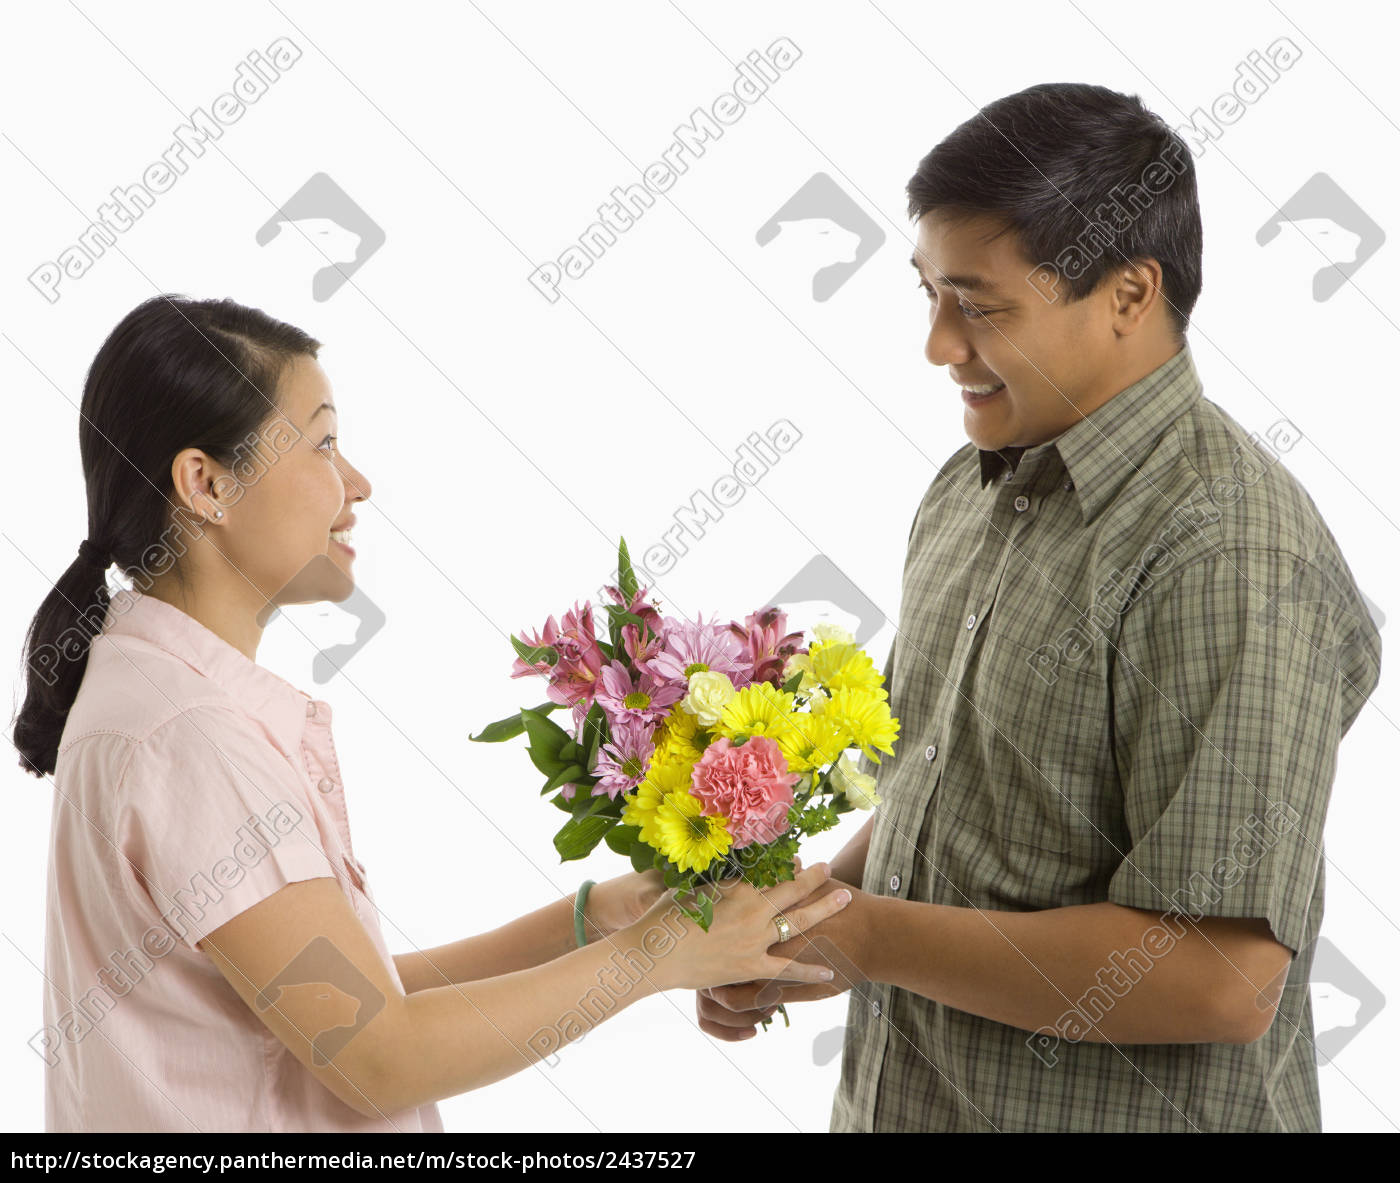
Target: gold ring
{"x":784,"y":928}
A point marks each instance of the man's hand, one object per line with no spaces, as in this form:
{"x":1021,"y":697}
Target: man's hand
{"x":732,"y":1013}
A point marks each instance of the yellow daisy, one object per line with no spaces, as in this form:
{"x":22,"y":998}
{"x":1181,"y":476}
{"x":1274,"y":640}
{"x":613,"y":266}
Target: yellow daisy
{"x":758,"y":709}
{"x":812,"y":741}
{"x":689,"y":839}
{"x":838,"y":665}
{"x":865,"y":716}
{"x":665,"y":775}
{"x":675,"y":738}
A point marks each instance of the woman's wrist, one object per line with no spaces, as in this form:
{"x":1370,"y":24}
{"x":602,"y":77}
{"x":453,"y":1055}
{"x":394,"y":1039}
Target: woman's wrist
{"x":584,"y":920}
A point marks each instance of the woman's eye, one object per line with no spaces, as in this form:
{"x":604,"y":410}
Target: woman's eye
{"x":330,"y":441}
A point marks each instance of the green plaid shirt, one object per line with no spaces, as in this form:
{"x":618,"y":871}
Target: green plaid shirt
{"x":1125,"y":661}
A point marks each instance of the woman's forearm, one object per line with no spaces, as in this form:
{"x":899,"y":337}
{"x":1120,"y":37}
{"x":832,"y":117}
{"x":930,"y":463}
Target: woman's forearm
{"x":533,"y":939}
{"x":445,"y":1040}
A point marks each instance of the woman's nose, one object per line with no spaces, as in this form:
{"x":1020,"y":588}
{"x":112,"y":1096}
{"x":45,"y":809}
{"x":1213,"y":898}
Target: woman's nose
{"x":357,"y":486}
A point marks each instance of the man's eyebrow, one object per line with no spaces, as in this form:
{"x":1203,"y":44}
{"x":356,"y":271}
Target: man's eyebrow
{"x":964,"y":283}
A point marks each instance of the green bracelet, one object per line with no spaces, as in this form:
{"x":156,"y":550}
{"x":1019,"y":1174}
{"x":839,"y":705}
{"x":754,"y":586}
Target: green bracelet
{"x":580,"y":899}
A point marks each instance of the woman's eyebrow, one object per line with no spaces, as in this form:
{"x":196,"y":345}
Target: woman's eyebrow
{"x":323,"y":407}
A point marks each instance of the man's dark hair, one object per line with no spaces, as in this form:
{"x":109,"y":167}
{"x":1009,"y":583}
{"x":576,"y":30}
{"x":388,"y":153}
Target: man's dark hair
{"x":1086,"y":178}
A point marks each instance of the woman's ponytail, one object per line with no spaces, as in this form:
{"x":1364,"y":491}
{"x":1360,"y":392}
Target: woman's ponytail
{"x":174,"y":374}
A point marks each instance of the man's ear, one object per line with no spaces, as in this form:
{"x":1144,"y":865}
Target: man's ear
{"x":1136,"y":292}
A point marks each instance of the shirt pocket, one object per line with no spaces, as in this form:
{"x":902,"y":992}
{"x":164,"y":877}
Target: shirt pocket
{"x":1030,"y":749}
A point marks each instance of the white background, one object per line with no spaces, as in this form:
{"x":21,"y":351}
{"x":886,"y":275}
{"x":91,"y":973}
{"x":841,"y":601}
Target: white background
{"x":482,"y":140}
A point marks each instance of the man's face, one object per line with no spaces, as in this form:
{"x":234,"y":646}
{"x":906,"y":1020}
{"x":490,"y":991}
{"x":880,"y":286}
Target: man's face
{"x":989,"y":325}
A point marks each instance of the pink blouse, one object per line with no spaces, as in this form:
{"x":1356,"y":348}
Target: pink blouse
{"x":191,"y":783}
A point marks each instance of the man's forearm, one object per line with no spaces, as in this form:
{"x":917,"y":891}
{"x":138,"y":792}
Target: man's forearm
{"x":849,"y":864}
{"x":1083,"y":972}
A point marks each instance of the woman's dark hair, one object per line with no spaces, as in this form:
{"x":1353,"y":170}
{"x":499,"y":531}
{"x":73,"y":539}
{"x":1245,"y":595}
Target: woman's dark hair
{"x":1085,"y":177}
{"x":174,"y":374}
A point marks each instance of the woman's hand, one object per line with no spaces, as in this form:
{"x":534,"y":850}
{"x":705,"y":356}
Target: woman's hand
{"x":616,"y":903}
{"x":735,"y":949}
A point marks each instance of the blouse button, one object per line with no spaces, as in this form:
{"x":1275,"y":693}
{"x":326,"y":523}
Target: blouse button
{"x":326,"y":785}
{"x":310,"y":709}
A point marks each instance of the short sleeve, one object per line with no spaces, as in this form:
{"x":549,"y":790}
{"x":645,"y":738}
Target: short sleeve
{"x":212,"y":818}
{"x":1228,"y":708}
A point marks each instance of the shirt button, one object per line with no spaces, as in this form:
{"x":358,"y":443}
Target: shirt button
{"x":325,"y":784}
{"x":1007,"y":475}
{"x":875,"y":1007}
{"x":1022,"y":504}
{"x":1068,"y":486}
{"x":971,"y":620}
{"x":894,"y":881}
{"x":931,"y":751}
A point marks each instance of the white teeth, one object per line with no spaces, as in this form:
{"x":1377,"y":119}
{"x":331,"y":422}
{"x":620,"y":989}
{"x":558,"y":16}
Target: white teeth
{"x":342,"y":536}
{"x":984,"y":389}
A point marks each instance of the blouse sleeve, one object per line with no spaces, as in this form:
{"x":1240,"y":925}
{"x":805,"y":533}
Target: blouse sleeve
{"x":212,"y":818}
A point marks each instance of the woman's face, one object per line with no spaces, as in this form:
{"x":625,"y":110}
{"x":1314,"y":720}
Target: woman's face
{"x":278,"y":532}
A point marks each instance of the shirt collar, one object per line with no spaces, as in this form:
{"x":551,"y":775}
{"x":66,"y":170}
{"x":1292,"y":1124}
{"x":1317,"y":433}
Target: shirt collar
{"x":1109,"y":444}
{"x":252,"y":690}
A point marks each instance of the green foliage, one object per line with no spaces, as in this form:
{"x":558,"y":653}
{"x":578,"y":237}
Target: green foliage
{"x":626,"y":577}
{"x":534,"y":654}
{"x":509,"y":727}
{"x":576,"y":839}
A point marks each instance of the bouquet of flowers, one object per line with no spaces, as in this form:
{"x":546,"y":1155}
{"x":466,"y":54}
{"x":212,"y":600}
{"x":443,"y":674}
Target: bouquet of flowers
{"x":703,"y":750}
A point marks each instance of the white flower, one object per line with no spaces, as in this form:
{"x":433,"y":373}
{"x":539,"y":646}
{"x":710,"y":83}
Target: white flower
{"x":859,"y":788}
{"x":826,"y":631}
{"x":709,"y":692}
{"x":800,"y":663}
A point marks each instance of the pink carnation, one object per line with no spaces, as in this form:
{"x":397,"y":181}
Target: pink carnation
{"x":749,"y":784}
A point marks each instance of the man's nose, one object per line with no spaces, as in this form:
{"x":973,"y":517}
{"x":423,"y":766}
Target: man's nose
{"x":946,"y":344}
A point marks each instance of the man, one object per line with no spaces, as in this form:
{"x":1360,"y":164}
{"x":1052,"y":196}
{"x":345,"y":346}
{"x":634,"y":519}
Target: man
{"x":1128,"y":651}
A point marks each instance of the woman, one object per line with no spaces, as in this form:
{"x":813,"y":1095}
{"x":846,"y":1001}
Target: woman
{"x":214,"y":958}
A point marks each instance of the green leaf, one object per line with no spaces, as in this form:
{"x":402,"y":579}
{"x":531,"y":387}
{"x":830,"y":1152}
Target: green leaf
{"x":620,"y":839}
{"x":509,"y":727}
{"x":565,"y":776}
{"x":533,"y":654}
{"x":546,"y":738}
{"x":545,"y":761}
{"x":620,"y":616}
{"x":626,"y":577}
{"x":576,"y":839}
{"x":793,"y":682}
{"x":560,"y":802}
{"x":586,"y":804}
{"x":594,"y":734}
{"x":643,"y":856}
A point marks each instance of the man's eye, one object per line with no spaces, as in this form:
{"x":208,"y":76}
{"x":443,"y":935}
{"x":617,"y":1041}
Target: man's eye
{"x":968,"y":311}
